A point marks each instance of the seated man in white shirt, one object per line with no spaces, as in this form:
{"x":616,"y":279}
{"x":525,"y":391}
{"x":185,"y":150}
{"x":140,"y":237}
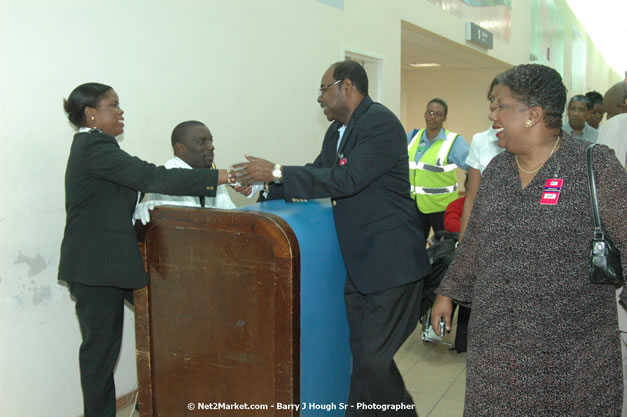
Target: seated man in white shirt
{"x":192,"y":143}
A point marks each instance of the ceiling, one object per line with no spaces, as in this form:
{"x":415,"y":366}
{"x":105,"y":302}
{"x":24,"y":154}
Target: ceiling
{"x":604,"y":21}
{"x":419,"y":45}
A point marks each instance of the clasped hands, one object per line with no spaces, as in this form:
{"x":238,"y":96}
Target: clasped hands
{"x":255,"y":170}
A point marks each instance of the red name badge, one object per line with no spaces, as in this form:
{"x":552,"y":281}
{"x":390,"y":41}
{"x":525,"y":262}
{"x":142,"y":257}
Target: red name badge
{"x":342,"y":162}
{"x":553,"y":184}
{"x":552,"y":189}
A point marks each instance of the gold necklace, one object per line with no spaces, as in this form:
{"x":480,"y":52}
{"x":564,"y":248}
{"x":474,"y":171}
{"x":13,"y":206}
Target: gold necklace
{"x":538,"y":168}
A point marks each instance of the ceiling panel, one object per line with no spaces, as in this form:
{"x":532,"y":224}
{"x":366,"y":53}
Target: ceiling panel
{"x":419,"y":45}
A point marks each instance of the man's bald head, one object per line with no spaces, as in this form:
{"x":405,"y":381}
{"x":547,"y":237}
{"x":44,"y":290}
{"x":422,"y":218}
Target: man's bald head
{"x":615,"y":99}
{"x":182,"y":130}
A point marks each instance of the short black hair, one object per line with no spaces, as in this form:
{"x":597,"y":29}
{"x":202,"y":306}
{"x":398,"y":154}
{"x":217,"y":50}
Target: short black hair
{"x":441,"y":102}
{"x":85,"y":95}
{"x":353,"y":71}
{"x":538,"y":85}
{"x":181,"y":129}
{"x":595,"y":97}
{"x":581,"y":98}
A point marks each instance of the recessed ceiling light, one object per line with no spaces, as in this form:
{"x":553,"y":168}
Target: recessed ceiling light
{"x":424,"y":65}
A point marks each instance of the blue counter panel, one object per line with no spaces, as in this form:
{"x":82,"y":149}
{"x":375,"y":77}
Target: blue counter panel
{"x":325,"y":353}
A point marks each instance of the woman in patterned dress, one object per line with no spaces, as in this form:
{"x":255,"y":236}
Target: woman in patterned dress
{"x":542,"y":339}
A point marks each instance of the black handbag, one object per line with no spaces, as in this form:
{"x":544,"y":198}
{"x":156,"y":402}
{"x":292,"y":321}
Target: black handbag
{"x":605,"y":266}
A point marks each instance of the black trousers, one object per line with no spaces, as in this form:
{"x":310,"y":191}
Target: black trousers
{"x":100,"y":312}
{"x":433,"y":221}
{"x":379,"y":323}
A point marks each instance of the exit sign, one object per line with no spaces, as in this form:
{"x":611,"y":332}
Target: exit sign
{"x":478,"y":35}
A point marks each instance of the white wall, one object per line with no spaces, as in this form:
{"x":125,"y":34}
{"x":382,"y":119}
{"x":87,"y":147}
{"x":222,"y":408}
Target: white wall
{"x":593,"y":73}
{"x":249,"y":69}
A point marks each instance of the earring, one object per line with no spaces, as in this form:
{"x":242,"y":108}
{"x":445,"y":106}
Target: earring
{"x":528,"y":123}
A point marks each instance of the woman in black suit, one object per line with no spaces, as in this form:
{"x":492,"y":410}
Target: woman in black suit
{"x":100,"y":259}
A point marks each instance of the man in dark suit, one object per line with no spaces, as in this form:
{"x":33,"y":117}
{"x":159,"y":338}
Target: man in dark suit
{"x":363,"y":167}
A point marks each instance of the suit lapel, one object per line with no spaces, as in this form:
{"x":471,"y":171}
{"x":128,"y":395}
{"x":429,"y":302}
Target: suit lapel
{"x":345,"y":138}
{"x":330,"y":144}
{"x":359,"y":111}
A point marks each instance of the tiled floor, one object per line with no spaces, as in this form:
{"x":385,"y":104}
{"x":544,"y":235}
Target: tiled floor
{"x":435,"y":376}
{"x":126,"y":412}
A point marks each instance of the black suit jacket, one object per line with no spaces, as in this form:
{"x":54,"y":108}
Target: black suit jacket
{"x":101,"y":182}
{"x":368,"y":180}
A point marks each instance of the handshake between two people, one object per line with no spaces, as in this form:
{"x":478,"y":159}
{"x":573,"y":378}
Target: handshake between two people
{"x":246,"y":178}
{"x":255,"y":171}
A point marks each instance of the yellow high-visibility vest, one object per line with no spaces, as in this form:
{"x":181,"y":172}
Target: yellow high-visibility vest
{"x":433,"y":179}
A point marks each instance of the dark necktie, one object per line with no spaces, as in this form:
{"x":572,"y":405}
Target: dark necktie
{"x":202,"y":201}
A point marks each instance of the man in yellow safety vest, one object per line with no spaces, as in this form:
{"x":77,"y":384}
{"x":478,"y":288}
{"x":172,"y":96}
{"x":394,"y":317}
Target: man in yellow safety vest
{"x":434,"y":155}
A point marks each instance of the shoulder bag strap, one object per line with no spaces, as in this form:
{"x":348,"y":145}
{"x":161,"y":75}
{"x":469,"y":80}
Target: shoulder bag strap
{"x":598,"y":230}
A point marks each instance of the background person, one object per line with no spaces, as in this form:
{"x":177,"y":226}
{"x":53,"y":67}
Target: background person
{"x":542,"y":339}
{"x":453,"y":213}
{"x":578,"y":108}
{"x":613,"y":133}
{"x":363,"y":168}
{"x":483,"y":148}
{"x":595,"y":115}
{"x":434,"y":155}
{"x":615,"y":99}
{"x":100,"y":259}
{"x":452,"y":223}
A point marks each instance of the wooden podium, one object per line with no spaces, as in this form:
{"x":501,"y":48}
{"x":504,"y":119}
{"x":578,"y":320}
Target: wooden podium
{"x":223,"y":328}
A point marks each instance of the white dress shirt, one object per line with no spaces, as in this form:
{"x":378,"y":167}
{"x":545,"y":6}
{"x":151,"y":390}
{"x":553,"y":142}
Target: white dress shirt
{"x":483,"y":148}
{"x":613,"y":133}
{"x":221,"y":200}
{"x":152,"y":200}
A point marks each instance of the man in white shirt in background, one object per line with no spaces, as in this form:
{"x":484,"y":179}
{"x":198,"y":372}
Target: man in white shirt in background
{"x":613,"y":133}
{"x":577,"y":110}
{"x":192,"y":143}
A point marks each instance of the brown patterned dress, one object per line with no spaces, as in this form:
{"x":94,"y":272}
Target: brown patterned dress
{"x":542,"y":340}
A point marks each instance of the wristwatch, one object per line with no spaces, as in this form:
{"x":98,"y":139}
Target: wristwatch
{"x":277,"y":173}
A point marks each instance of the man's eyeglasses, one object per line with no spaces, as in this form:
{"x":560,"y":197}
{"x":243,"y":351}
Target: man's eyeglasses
{"x":324,"y":88}
{"x":436,"y":114}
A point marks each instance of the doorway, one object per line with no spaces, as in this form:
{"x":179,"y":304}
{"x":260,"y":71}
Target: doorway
{"x":461,"y":78}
